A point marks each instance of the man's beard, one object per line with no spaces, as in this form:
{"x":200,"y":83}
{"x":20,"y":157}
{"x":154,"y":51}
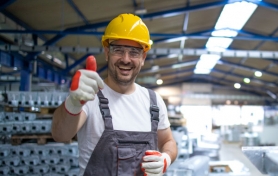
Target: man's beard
{"x":115,"y":76}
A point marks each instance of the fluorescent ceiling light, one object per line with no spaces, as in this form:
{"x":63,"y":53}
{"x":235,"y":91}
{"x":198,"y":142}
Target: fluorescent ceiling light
{"x":49,"y":56}
{"x":233,"y":17}
{"x":218,"y":44}
{"x":172,"y":56}
{"x":155,"y":67}
{"x":206,"y":63}
{"x":201,"y":71}
{"x":177,"y":39}
{"x":237,"y":85}
{"x":246,"y":80}
{"x":159,"y":82}
{"x":225,"y":32}
{"x":258,"y":73}
{"x":140,"y":11}
{"x":58,"y":61}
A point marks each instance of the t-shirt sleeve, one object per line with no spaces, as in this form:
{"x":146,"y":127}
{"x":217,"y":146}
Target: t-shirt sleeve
{"x":163,"y":114}
{"x":86,"y":108}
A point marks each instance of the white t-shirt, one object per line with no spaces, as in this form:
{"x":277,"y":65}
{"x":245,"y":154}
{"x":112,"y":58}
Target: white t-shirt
{"x":129,"y":113}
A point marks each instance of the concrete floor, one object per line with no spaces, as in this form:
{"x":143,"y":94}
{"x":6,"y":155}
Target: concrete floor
{"x":232,"y":151}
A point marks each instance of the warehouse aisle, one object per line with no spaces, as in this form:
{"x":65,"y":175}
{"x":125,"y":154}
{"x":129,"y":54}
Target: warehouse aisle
{"x":232,"y":151}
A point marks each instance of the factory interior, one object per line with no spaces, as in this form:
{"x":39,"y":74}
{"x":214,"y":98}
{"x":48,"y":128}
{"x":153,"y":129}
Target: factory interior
{"x":214,"y":63}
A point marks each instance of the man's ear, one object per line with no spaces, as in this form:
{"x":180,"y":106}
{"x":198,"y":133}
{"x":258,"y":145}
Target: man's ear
{"x":144,"y":58}
{"x":106,"y":53}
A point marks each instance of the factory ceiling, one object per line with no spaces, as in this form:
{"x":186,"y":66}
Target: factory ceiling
{"x":59,"y":35}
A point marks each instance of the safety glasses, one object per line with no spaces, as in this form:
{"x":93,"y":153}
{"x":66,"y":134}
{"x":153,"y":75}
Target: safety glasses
{"x":120,"y":50}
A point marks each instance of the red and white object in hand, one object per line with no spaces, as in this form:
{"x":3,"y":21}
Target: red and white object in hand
{"x":155,"y":163}
{"x":85,"y":84}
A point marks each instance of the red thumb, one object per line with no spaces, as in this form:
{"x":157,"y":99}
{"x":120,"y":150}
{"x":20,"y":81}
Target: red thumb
{"x":91,"y":63}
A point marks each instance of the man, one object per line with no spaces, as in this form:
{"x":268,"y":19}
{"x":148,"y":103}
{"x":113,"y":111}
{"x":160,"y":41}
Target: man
{"x":122,"y":128}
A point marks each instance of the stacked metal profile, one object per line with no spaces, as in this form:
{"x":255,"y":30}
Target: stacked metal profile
{"x":26,"y":122}
{"x":31,"y":159}
{"x":22,"y":123}
{"x":39,"y":160}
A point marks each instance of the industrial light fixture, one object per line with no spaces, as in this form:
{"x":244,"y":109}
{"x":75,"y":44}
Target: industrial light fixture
{"x":206,"y":63}
{"x":246,"y":80}
{"x":176,"y":39}
{"x":233,"y":17}
{"x":237,"y":85}
{"x":49,"y":56}
{"x":140,"y":11}
{"x":155,"y":68}
{"x":159,"y":82}
{"x":258,"y":74}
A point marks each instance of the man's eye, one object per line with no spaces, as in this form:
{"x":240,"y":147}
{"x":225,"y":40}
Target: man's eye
{"x":134,"y":53}
{"x":118,"y":50}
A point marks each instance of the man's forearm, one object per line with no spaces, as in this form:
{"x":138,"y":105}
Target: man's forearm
{"x":170,"y":148}
{"x":64,"y":125}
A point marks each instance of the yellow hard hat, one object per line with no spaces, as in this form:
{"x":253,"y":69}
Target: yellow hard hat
{"x":127,"y":26}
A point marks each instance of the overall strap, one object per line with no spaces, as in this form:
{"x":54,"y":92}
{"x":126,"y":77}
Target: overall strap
{"x":154,"y":110}
{"x":105,"y":111}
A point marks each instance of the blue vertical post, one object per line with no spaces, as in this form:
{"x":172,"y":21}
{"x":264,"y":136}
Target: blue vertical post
{"x":25,"y":78}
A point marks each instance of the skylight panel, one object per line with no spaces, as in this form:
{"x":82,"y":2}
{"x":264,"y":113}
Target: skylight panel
{"x":233,"y":16}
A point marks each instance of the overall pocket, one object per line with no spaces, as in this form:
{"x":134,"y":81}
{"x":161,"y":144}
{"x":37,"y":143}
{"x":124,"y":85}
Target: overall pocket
{"x":126,"y":159}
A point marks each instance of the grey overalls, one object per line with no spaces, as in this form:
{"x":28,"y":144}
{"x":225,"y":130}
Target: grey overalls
{"x":120,"y":153}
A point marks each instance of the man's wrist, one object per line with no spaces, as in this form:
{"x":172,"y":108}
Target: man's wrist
{"x":168,"y":161}
{"x":73,"y":107}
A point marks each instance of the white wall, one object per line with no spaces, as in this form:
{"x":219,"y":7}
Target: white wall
{"x":269,"y":134}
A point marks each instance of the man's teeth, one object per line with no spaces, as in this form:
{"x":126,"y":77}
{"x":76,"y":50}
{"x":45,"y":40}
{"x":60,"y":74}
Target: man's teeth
{"x":124,"y":68}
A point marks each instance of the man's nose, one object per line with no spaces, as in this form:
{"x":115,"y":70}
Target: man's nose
{"x":126,"y":56}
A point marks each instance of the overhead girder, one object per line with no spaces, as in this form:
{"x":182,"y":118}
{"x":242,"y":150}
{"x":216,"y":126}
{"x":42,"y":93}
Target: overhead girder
{"x":213,"y":80}
{"x":5,"y":3}
{"x":157,"y":15}
{"x":78,"y":11}
{"x":263,"y":83}
{"x":197,"y":35}
{"x":154,"y":51}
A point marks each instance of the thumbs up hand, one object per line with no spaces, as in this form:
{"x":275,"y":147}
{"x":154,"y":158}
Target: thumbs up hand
{"x":85,"y":84}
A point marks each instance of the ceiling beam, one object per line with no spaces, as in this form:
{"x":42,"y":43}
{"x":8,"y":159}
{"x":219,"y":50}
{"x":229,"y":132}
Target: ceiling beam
{"x":263,"y":83}
{"x":260,"y":92}
{"x":21,"y":23}
{"x":178,"y":72}
{"x":78,"y":11}
{"x":76,"y":63}
{"x":264,"y":4}
{"x":165,"y":52}
{"x":5,"y":3}
{"x":252,"y":69}
{"x":197,"y":35}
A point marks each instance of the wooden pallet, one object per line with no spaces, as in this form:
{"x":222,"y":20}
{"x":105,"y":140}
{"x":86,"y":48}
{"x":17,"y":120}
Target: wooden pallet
{"x":36,"y":109}
{"x":38,"y":138}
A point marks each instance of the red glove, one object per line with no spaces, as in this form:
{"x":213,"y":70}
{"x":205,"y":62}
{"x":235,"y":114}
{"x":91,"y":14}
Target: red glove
{"x":155,"y":163}
{"x":85,"y":84}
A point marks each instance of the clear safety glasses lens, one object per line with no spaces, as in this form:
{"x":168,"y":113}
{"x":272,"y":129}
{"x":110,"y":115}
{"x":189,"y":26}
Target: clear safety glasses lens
{"x":119,"y":50}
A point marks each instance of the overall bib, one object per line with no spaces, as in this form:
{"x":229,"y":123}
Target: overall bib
{"x":120,"y":153}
